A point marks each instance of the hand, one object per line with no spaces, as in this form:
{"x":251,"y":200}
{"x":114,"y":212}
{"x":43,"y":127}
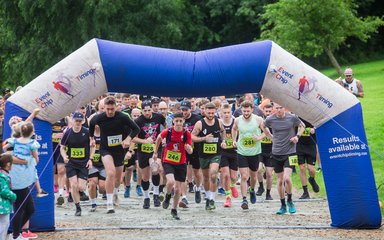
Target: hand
{"x":188,"y":148}
{"x":126,"y":143}
{"x":128,"y":155}
{"x":209,"y":137}
{"x":154,"y":156}
{"x":234,"y":144}
{"x":223,"y":145}
{"x":294,"y":139}
{"x":89,"y":164}
{"x":312,"y":131}
{"x":149,"y":140}
{"x":66,"y":159}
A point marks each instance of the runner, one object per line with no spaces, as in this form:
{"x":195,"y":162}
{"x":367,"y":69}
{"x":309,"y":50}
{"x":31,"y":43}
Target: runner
{"x":228,"y":163}
{"x":149,"y":124}
{"x":247,"y":127}
{"x":114,"y":127}
{"x":178,"y":142}
{"x":208,"y":132}
{"x":77,"y":154}
{"x":284,"y":156}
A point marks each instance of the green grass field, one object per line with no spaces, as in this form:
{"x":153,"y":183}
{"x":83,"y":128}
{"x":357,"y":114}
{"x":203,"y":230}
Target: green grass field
{"x":371,"y":75}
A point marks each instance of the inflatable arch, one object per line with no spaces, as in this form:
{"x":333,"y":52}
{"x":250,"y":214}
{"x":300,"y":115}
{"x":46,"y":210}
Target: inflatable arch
{"x":103,"y":66}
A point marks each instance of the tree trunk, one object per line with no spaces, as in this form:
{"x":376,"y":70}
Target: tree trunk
{"x":334,"y":62}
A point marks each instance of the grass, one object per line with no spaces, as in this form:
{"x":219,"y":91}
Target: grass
{"x":371,"y":75}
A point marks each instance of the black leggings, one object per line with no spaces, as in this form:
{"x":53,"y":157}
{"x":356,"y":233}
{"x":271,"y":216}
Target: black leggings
{"x":24,"y":210}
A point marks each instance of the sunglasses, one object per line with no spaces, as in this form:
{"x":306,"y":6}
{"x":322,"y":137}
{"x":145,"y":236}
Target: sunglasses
{"x":348,"y":75}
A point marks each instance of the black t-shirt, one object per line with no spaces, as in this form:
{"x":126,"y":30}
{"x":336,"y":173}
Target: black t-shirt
{"x":113,"y":130}
{"x":189,"y":124}
{"x":58,"y":127}
{"x":149,"y":127}
{"x":307,"y":138}
{"x":77,"y":146}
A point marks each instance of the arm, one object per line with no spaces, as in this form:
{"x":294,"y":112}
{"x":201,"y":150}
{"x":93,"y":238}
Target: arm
{"x":259,"y":121}
{"x":266,"y":130}
{"x":64,"y":153}
{"x":300,"y":130}
{"x":360,"y":91}
{"x":135,"y":130}
{"x":6,"y":192}
{"x":33,"y":115}
{"x":196,"y":130}
{"x":222,"y":130}
{"x":157,"y":144}
{"x":234,"y":132}
{"x":35,"y":155}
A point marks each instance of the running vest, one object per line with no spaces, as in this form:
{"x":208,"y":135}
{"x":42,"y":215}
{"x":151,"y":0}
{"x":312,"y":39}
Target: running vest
{"x":228,"y":139}
{"x":246,"y":144}
{"x":212,"y":148}
{"x":351,"y":86}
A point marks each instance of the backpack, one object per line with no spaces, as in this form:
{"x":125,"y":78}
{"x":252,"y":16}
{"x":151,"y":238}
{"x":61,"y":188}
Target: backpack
{"x":169,"y":134}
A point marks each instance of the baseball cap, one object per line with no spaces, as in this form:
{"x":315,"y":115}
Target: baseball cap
{"x":78,"y":116}
{"x":185,"y":104}
{"x":348,"y":71}
{"x":155,"y":100}
{"x":146,"y":103}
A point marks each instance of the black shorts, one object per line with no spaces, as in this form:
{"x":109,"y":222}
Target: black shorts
{"x":117,"y":155}
{"x":193,"y":159}
{"x":179,"y":171}
{"x":229,"y":160}
{"x":307,"y":154}
{"x":251,"y":162}
{"x":280,"y":162}
{"x":131,"y":161}
{"x":144,"y":159}
{"x":80,"y":172}
{"x":57,"y":158}
{"x":266,"y":158}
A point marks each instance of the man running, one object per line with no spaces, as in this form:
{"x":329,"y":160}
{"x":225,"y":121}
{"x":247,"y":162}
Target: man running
{"x":114,"y":127}
{"x":283,"y":125}
{"x":178,"y":142}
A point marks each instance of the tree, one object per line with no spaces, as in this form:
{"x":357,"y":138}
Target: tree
{"x":310,"y":28}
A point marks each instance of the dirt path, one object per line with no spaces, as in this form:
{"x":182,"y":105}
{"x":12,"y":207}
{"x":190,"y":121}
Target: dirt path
{"x":312,"y":221}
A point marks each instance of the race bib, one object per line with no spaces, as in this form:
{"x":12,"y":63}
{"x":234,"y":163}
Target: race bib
{"x":55,"y":140}
{"x":135,"y":146}
{"x":266,"y":140}
{"x":96,"y":157}
{"x":293,"y":161}
{"x":307,"y":132}
{"x":114,"y":141}
{"x":248,"y":142}
{"x":77,"y":152}
{"x":147,"y":148}
{"x":229,"y":143}
{"x":210,"y":148}
{"x":173,"y":156}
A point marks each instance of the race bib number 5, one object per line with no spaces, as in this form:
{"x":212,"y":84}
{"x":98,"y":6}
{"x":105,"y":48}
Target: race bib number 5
{"x":293,"y":161}
{"x":114,"y":141}
{"x":210,"y":148}
{"x":248,"y":142}
{"x":77,"y":152}
{"x":147,"y":148}
{"x":173,"y":156}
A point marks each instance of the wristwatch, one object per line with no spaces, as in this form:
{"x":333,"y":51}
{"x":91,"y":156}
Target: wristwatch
{"x":298,"y":136}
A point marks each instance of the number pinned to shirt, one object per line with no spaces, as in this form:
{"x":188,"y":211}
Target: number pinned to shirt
{"x":114,"y":141}
{"x":173,"y":156}
{"x":293,"y":160}
{"x":210,"y":148}
{"x":77,"y":152}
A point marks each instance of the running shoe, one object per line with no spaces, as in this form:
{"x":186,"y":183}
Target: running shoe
{"x":78,"y":212}
{"x":110,"y":209}
{"x":244,"y":204}
{"x":253,"y":195}
{"x":70,"y":199}
{"x":268,"y":197}
{"x":234,"y":192}
{"x":174,"y":214}
{"x":183,"y":203}
{"x":291,"y":208}
{"x":29,"y":235}
{"x":227,"y":202}
{"x":42,"y":193}
{"x":127,"y":191}
{"x":305,"y":196}
{"x":315,"y":186}
{"x":212,"y":204}
{"x":56,"y":189}
{"x":139,"y":191}
{"x":60,"y":200}
{"x":190,"y":186}
{"x":207,"y":204}
{"x":93,"y":207}
{"x":161,"y":196}
{"x":146,"y":204}
{"x":167,"y":201}
{"x":221,"y":191}
{"x":282,"y":210}
{"x":197,"y":196}
{"x":260,"y":191}
{"x":156,"y":200}
{"x":104,"y":197}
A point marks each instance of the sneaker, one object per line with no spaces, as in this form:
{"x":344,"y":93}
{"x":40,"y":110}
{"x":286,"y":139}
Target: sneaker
{"x":197,"y":196}
{"x":305,"y":196}
{"x":234,"y":192}
{"x":190,"y":186}
{"x":207,"y":204}
{"x":156,"y":200}
{"x":78,"y":212}
{"x":83,"y":197}
{"x":244,"y":204}
{"x":146,"y":204}
{"x":161,"y":197}
{"x":166,"y":201}
{"x":70,"y":199}
{"x":93,"y":207}
{"x":212,"y":204}
{"x":42,"y":193}
{"x":110,"y":209}
{"x":221,"y":191}
{"x":127,"y":191}
{"x":174,"y":214}
{"x":116,"y":200}
{"x":253,"y":195}
{"x":183,"y":203}
{"x":60,"y":200}
{"x":104,"y":197}
{"x":260,"y":191}
{"x":139,"y":191}
{"x":227,"y":202}
{"x":56,"y":189}
{"x":268,"y":197}
{"x":315,"y":186}
{"x":282,"y":210}
{"x":291,"y":208}
{"x":28,"y":235}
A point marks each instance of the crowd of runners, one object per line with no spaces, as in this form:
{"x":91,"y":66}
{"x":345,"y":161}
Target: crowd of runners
{"x":169,"y":147}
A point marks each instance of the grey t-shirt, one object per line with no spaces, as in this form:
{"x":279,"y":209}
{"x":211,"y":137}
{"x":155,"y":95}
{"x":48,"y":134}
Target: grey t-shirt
{"x":283,"y":129}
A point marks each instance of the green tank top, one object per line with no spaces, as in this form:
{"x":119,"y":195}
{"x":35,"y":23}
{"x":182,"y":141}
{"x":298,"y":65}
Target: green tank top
{"x":246,"y":144}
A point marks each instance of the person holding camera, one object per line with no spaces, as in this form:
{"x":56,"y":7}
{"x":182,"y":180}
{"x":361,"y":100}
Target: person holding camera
{"x":353,"y":85}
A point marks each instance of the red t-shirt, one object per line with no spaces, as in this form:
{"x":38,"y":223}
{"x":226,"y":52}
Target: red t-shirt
{"x":174,"y":152}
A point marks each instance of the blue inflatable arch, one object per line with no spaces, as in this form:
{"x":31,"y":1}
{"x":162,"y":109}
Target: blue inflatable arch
{"x":103,"y":66}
